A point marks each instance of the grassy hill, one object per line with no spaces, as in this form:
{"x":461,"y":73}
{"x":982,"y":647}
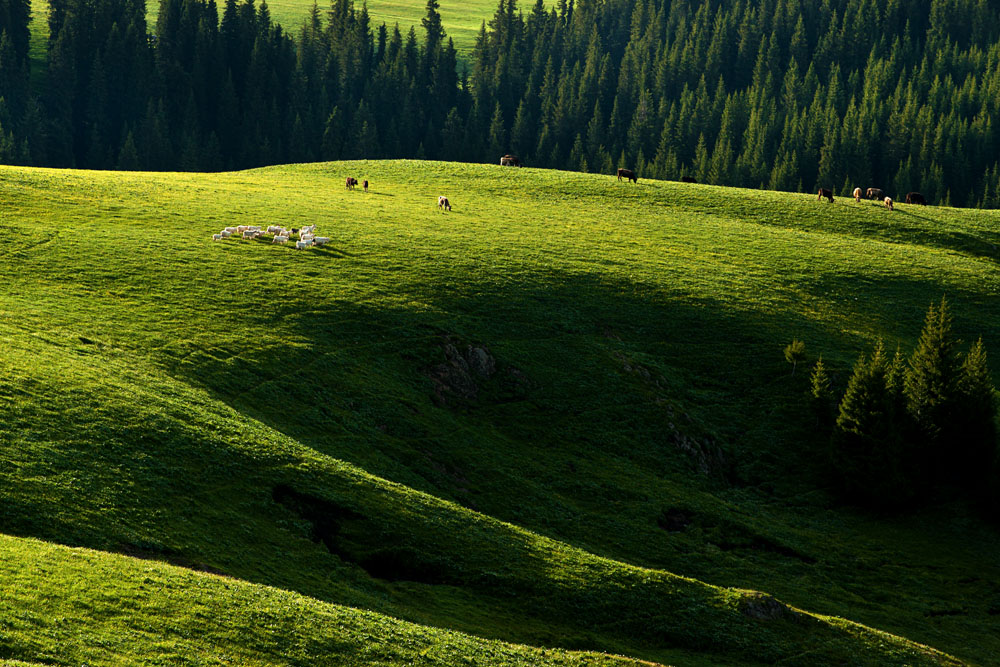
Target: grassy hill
{"x":557,"y":416}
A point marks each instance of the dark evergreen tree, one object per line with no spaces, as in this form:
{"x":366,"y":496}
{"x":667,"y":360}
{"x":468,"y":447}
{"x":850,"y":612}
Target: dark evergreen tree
{"x":931,"y":389}
{"x":868,"y":448}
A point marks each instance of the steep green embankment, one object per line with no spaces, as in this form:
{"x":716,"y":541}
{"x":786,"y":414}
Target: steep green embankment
{"x":305,"y":420}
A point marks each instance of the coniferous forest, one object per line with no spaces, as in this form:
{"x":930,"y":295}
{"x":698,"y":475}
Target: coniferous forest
{"x":781,"y":94}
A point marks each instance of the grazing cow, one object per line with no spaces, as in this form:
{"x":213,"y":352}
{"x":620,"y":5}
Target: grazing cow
{"x":366,"y":185}
{"x":351,"y":182}
{"x":888,"y":203}
{"x":857,"y":194}
{"x":510,"y":161}
{"x":916,"y":198}
{"x":628,"y":174}
{"x":823,"y":192}
{"x":874,"y":193}
{"x":444,"y":204}
{"x":688,"y":179}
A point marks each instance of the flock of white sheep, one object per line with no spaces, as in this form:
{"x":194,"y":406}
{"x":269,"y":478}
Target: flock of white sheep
{"x":307,"y":235}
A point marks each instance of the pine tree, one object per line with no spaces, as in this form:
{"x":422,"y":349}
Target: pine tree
{"x":867,"y":447}
{"x":498,"y":134}
{"x":128,"y":157}
{"x":976,"y":427}
{"x":930,"y":387}
{"x":821,"y":395}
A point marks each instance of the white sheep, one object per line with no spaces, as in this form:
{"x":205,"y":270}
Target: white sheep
{"x":225,"y":233}
{"x":299,"y":245}
{"x":321,"y":240}
{"x":279,"y":239}
{"x":216,"y":237}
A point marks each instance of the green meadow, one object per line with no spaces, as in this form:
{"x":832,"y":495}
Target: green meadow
{"x":551,"y":426}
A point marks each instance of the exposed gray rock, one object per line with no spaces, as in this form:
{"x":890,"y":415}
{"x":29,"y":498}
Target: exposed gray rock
{"x":763,"y":607}
{"x":481,"y":361}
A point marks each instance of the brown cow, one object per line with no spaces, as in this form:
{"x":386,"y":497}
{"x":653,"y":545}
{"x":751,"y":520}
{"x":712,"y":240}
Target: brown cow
{"x":444,"y":204}
{"x":628,"y":174}
{"x":510,"y":161}
{"x":857,"y":195}
{"x":823,"y":192}
{"x":888,"y":203}
{"x":916,"y":198}
{"x":351,"y":182}
{"x":874,"y":193}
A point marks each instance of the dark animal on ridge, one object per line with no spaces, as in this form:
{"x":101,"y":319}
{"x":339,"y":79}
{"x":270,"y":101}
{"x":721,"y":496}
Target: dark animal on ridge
{"x":366,"y":185}
{"x":688,"y":179}
{"x":874,"y":193}
{"x":916,"y":198}
{"x":628,"y":174}
{"x":510,"y":161}
{"x":823,"y":192}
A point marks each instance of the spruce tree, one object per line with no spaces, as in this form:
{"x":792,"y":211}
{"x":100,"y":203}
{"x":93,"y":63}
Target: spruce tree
{"x":867,"y":446}
{"x":498,"y":134}
{"x":931,"y":391}
{"x":821,"y":395}
{"x":976,"y":416}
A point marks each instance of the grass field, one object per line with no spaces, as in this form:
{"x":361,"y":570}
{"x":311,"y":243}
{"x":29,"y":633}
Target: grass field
{"x":637,"y":460}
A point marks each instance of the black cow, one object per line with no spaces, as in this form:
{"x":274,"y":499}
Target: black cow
{"x":916,"y":198}
{"x":366,"y":185}
{"x":823,"y":192}
{"x":874,"y":193}
{"x":510,"y":161}
{"x":628,"y":175}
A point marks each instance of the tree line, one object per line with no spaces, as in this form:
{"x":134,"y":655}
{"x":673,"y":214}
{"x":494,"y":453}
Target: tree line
{"x":907,"y":426}
{"x":782,"y":94}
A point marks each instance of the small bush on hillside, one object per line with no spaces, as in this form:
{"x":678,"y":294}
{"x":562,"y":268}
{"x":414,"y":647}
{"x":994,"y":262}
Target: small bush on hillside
{"x":794,"y":353}
{"x":903,"y":428}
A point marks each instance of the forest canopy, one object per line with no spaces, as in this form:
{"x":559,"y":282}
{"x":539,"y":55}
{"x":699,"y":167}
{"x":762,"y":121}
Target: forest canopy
{"x":782,"y":94}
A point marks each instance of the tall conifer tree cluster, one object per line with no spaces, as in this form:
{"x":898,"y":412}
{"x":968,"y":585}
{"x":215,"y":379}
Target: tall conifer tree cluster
{"x":783,"y":94}
{"x":905,"y":427}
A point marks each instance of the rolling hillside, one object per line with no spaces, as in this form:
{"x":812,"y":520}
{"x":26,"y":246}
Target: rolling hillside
{"x":557,"y":417}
